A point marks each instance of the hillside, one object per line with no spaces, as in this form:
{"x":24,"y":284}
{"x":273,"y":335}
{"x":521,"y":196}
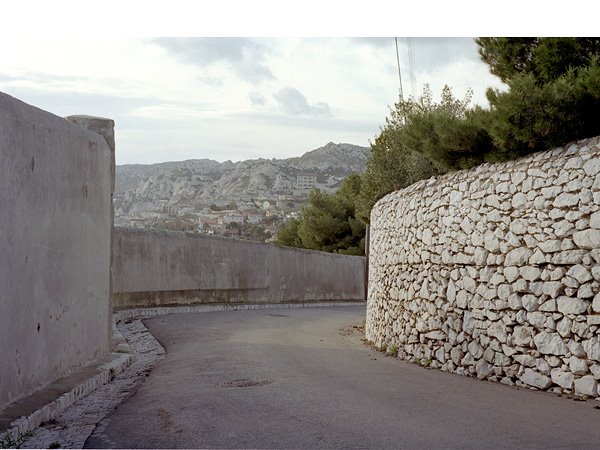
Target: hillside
{"x":194,"y":184}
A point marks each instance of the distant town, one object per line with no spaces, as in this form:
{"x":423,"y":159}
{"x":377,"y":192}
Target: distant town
{"x":253,"y":215}
{"x":249,"y":199}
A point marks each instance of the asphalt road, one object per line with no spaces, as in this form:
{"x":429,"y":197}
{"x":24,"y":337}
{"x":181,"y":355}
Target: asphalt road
{"x":302,"y":378}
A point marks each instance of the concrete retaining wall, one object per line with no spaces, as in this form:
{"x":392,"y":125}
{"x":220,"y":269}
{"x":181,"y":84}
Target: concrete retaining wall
{"x":55,"y":226}
{"x":167,"y":268}
{"x":495,"y":272}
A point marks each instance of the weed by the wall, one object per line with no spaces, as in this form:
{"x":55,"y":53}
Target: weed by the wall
{"x":8,"y":441}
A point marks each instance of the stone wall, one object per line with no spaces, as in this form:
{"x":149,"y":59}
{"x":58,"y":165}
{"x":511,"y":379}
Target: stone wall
{"x":495,"y":272}
{"x":55,"y":226}
{"x":171,"y":268}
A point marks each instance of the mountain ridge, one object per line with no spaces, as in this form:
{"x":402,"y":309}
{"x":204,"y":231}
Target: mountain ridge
{"x":194,"y":183}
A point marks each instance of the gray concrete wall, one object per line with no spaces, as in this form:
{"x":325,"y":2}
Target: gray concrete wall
{"x":167,"y":268}
{"x":55,"y":230}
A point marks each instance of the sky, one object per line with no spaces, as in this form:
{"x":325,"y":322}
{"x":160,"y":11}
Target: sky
{"x":227,"y":97}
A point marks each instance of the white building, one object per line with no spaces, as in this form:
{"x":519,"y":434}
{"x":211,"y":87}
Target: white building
{"x":254,"y":218}
{"x":233,"y":217}
{"x":306,"y":181}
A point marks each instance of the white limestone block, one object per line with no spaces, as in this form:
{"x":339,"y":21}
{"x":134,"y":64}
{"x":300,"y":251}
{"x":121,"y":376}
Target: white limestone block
{"x":568,"y":257}
{"x":588,"y":239}
{"x":552,"y":288}
{"x":550,"y":343}
{"x":530,"y":302}
{"x":498,"y":330}
{"x":592,"y":167}
{"x":537,"y":319}
{"x":525,"y":360}
{"x":592,"y":348}
{"x":518,"y":257}
{"x":550,"y":246}
{"x":577,"y":366}
{"x":595,"y":220}
{"x":586,"y":385}
{"x":538,"y":257}
{"x":565,"y":199}
{"x":535,"y":379}
{"x":530,"y":273}
{"x":483,"y":369}
{"x":511,"y":273}
{"x":491,"y":242}
{"x":548,"y":306}
{"x":522,"y":335}
{"x":570,"y":305}
{"x":563,"y":378}
{"x":564,"y":327}
{"x":580,"y":273}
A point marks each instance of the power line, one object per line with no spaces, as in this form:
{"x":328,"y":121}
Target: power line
{"x":399,"y":73}
{"x":411,"y":66}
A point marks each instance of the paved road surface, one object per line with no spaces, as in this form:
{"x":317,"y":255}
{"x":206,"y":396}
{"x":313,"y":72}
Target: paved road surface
{"x":320,"y":387}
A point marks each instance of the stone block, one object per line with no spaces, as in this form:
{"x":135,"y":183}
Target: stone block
{"x":535,"y":379}
{"x":571,"y":305}
{"x":563,"y":378}
{"x":550,"y":343}
{"x":587,"y":239}
{"x":586,"y":385}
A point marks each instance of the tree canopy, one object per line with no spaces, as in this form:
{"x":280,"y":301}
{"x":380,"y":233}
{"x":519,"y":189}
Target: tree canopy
{"x":553,"y":97}
{"x":545,"y":58}
{"x":328,"y":222}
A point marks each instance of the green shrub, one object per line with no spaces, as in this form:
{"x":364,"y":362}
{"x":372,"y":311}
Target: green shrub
{"x":328,"y":222}
{"x":7,"y":441}
{"x":530,"y":117}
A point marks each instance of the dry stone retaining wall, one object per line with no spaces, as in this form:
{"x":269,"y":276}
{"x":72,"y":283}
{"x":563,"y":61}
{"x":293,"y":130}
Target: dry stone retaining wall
{"x":495,"y":272}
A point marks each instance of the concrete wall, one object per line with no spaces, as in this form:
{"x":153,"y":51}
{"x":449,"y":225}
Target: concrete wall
{"x":55,"y":230}
{"x":495,"y":272}
{"x":164,"y":268}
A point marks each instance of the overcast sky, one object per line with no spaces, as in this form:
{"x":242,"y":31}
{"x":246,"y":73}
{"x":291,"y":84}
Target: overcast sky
{"x":231,"y":98}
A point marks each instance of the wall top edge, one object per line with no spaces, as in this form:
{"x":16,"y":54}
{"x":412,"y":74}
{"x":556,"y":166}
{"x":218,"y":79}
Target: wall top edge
{"x":184,"y":235}
{"x":21,"y":109}
{"x":569,"y":150}
{"x":85,"y":117}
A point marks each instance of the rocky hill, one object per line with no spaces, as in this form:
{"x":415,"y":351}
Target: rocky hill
{"x":193,"y":184}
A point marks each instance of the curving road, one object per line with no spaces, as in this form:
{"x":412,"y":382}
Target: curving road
{"x":302,"y":378}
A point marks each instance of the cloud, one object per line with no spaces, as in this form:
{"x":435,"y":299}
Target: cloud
{"x":293,"y":102}
{"x":66,"y":103}
{"x":246,"y":56}
{"x":257,"y":99}
{"x":212,"y":81}
{"x":377,"y":42}
{"x":431,"y":53}
{"x":44,"y":81}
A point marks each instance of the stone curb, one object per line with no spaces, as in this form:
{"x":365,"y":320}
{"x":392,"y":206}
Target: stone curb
{"x":125,"y":356}
{"x":106,"y":373}
{"x":140,"y":313}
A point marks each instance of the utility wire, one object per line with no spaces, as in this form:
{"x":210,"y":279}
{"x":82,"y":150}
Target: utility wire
{"x":399,"y":73}
{"x":411,"y":66}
